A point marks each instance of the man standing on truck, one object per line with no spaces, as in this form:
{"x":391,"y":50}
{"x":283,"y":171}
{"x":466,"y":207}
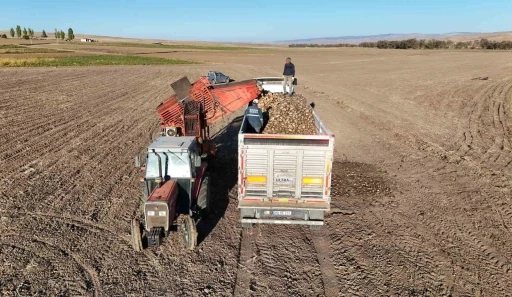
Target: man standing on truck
{"x":288,"y":73}
{"x":254,"y":116}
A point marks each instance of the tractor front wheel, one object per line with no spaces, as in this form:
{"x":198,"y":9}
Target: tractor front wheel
{"x":189,"y":233}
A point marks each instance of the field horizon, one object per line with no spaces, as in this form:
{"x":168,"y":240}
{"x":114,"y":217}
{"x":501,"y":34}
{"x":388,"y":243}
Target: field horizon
{"x":454,"y":36}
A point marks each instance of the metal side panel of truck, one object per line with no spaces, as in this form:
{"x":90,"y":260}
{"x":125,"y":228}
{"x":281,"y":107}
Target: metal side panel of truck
{"x":285,"y":179}
{"x":275,"y":84}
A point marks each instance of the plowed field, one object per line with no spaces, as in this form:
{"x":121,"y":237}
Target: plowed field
{"x":421,"y":188}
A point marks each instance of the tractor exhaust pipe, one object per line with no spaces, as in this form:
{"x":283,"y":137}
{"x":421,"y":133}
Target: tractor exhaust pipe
{"x":166,"y":162}
{"x":159,"y":167}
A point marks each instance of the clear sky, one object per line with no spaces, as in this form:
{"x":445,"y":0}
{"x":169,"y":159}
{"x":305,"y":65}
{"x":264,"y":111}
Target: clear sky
{"x":260,"y":20}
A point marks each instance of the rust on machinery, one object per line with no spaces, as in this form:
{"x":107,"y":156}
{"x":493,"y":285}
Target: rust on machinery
{"x":181,"y":87}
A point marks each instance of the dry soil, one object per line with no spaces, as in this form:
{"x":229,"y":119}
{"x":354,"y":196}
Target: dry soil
{"x":422,"y":181}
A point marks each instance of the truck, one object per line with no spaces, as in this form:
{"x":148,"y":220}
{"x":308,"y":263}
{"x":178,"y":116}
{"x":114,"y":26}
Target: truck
{"x":285,"y":179}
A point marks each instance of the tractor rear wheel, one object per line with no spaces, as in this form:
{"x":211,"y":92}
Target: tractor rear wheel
{"x":136,"y":235}
{"x":189,"y":233}
{"x":203,"y":198}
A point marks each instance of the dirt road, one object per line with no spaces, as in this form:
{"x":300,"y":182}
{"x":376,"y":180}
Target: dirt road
{"x":422,"y":181}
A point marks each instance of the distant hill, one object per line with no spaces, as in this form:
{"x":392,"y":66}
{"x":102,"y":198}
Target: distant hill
{"x":455,"y":36}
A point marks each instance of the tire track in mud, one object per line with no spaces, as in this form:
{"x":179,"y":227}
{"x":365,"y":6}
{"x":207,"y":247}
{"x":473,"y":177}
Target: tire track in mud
{"x":355,"y":276}
{"x":96,"y":259}
{"x":320,"y":240}
{"x":286,"y":262}
{"x":289,"y":267}
{"x":464,"y":225}
{"x":76,"y":221}
{"x":477,"y":227}
{"x":245,"y":261}
{"x":92,"y":278}
{"x":485,"y":135}
{"x":382,"y":248}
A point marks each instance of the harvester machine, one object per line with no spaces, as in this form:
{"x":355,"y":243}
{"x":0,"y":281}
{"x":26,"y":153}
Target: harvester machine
{"x":176,"y":182}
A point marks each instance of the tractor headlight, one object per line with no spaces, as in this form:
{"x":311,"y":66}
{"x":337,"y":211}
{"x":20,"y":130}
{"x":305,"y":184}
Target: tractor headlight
{"x":162,"y":213}
{"x":171,"y":132}
{"x":151,"y":213}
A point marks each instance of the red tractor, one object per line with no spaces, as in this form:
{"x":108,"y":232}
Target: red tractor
{"x":176,"y":179}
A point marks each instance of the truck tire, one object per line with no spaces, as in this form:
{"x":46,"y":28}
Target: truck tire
{"x":203,"y":198}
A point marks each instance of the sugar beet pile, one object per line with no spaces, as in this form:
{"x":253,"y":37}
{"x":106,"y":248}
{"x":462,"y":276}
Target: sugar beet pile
{"x":287,"y":115}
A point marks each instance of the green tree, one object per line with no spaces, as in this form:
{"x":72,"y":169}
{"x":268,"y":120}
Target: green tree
{"x":71,"y":35}
{"x":25,"y":33}
{"x":62,"y":35}
{"x":485,"y":44}
{"x":18,"y":31}
{"x":30,"y":33}
{"x":12,"y":32}
{"x":56,"y":34}
{"x":43,"y":35}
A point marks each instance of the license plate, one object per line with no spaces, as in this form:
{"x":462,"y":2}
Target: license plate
{"x":283,"y":178}
{"x":282,"y":212}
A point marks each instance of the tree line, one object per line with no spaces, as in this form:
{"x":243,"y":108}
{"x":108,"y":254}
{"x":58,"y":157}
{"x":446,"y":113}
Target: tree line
{"x":422,"y":44}
{"x":323,"y":45}
{"x":29,"y":34}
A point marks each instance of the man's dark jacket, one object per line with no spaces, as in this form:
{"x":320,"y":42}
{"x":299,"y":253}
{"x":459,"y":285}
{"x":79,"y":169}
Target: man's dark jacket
{"x":289,"y":69}
{"x":254,"y":116}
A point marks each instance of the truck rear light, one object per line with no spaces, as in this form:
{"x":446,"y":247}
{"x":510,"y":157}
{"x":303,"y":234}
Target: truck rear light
{"x":257,"y":179}
{"x":312,"y":180}
{"x":283,"y":200}
{"x":151,"y":213}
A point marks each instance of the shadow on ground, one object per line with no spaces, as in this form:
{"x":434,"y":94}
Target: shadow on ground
{"x":224,"y":177}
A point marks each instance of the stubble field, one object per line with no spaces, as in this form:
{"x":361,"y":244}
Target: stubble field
{"x":422,"y":180}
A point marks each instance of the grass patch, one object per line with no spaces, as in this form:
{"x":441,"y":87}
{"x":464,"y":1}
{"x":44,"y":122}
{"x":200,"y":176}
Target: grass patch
{"x":10,"y":46}
{"x":171,"y":46}
{"x":23,"y":62}
{"x":33,"y":50}
{"x":93,"y":60}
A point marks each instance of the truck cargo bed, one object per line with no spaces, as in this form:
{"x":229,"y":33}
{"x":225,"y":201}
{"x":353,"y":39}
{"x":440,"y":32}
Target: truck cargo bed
{"x":284,"y":179}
